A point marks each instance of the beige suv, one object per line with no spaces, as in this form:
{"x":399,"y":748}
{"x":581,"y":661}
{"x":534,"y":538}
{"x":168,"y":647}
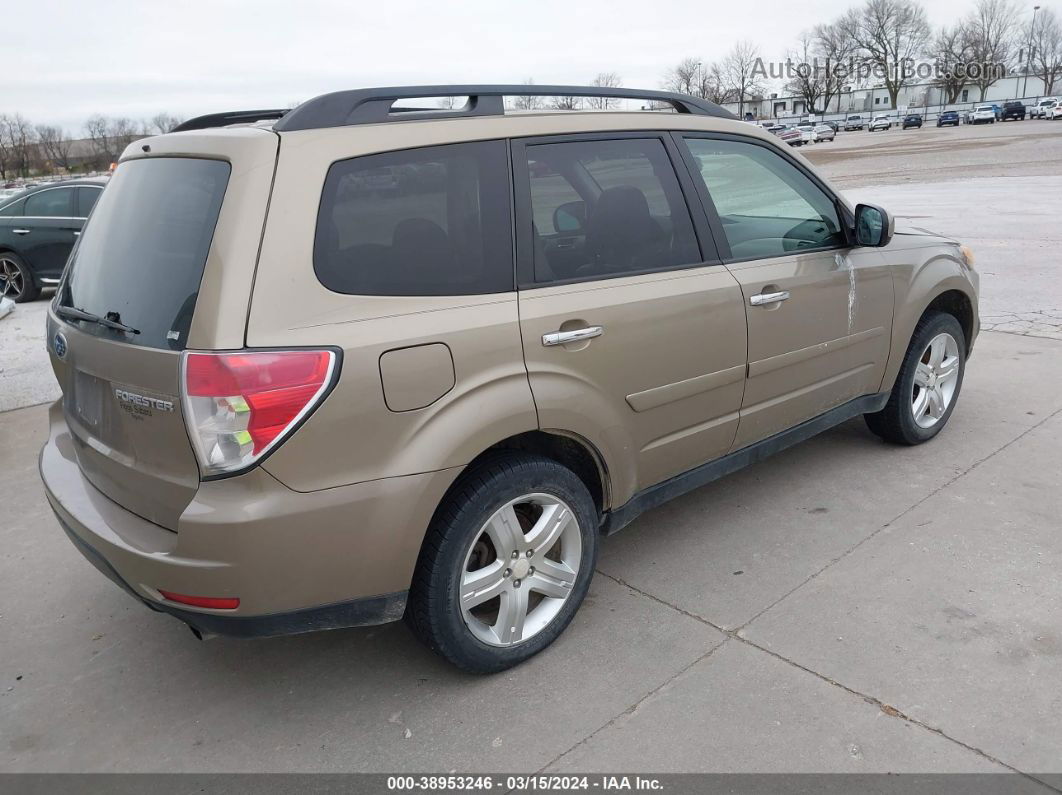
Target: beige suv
{"x":361,"y":361}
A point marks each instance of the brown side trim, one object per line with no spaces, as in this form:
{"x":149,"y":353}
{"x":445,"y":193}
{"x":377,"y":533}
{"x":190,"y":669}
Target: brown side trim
{"x":764,"y":366}
{"x":669,"y":393}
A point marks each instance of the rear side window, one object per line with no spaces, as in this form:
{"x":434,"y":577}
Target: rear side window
{"x":52,"y":203}
{"x":606,"y":208}
{"x":431,"y":221}
{"x":86,"y":198}
{"x":141,"y":257}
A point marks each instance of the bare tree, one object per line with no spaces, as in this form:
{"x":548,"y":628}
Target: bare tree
{"x":565,"y":103}
{"x":5,"y":152}
{"x":18,"y":142}
{"x":742,"y":72}
{"x":604,"y":80}
{"x":951,"y":51}
{"x":990,"y":31}
{"x":163,"y":122}
{"x":808,"y":76}
{"x":1044,"y":35}
{"x":110,"y":136}
{"x":528,"y":102}
{"x":54,"y":145}
{"x":689,"y":76}
{"x":833,"y":48}
{"x":890,"y":36}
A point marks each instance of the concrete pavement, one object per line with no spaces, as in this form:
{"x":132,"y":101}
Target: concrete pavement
{"x":845,"y":606}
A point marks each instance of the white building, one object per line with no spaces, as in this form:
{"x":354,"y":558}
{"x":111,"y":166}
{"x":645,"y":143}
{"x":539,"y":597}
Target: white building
{"x":927,"y":97}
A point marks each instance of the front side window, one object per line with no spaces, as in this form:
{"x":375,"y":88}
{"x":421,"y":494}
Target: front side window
{"x":606,"y":208}
{"x":431,"y":221}
{"x":51,"y":203}
{"x":766,"y":205}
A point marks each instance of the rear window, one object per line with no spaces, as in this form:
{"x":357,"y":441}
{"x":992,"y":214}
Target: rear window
{"x":141,"y":256}
{"x":431,"y":221}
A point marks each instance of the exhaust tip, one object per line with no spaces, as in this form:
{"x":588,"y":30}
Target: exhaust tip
{"x":200,"y":635}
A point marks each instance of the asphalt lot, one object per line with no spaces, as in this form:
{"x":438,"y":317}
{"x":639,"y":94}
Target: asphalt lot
{"x":845,"y":606}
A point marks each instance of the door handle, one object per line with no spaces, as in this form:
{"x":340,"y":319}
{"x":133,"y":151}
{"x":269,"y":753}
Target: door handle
{"x":77,"y":233}
{"x":768,"y":298}
{"x":21,"y":231}
{"x":564,"y":337}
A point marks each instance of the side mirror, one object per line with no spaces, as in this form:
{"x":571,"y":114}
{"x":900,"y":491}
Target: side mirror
{"x":873,"y":226}
{"x":570,"y":217}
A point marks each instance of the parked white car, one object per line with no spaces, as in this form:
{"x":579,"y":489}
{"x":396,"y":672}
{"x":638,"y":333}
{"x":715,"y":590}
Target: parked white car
{"x":983,"y":113}
{"x":1038,"y":111}
{"x":1054,"y":110}
{"x":807,"y":133}
{"x":880,"y":123}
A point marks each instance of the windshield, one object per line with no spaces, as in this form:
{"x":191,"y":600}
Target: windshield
{"x":141,"y":256}
{"x":985,"y":107}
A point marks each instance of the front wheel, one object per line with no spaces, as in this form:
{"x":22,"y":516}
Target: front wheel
{"x":928,"y":384}
{"x":506,"y":563}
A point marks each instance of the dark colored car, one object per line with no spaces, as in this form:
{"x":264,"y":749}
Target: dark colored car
{"x":948,"y":117}
{"x":37,"y":230}
{"x":831,"y":124}
{"x":1015,"y":109}
{"x":912,"y":120}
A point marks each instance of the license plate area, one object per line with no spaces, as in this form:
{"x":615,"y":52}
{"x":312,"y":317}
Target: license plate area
{"x":88,"y":399}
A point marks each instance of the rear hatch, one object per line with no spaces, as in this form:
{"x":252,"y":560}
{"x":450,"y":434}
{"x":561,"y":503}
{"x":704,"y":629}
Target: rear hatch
{"x":166,"y":254}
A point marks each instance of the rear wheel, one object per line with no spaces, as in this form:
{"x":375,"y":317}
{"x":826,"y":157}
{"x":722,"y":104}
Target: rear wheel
{"x":16,"y":280}
{"x":506,"y":563}
{"x":928,"y":384}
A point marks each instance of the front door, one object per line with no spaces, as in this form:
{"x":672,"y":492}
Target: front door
{"x":819,"y":311}
{"x":632,"y":338}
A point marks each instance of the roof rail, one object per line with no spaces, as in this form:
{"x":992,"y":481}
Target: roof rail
{"x":230,"y":117}
{"x":373,"y":105}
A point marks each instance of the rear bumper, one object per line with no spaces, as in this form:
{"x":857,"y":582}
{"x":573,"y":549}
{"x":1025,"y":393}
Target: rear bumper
{"x":298,"y":562}
{"x":357,"y":612}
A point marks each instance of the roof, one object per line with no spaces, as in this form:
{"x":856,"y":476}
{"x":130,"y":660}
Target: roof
{"x":378,"y":105}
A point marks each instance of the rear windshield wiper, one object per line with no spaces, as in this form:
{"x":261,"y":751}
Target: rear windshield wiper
{"x":80,"y":314}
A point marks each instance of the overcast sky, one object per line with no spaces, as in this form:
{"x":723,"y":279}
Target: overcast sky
{"x":63,"y":61}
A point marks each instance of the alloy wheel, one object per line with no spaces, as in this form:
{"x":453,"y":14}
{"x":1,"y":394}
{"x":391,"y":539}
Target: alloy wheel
{"x":520,"y":569}
{"x":12,"y":283}
{"x":935,"y":379}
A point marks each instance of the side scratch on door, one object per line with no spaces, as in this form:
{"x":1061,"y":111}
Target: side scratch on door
{"x":844,"y":263}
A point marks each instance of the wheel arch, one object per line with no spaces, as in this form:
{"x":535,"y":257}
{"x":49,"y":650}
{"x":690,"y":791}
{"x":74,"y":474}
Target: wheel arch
{"x":940,"y":286}
{"x":567,"y":449}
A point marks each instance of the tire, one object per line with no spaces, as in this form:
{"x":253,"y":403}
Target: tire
{"x":902,"y":421}
{"x":16,"y":280}
{"x":470,"y":529}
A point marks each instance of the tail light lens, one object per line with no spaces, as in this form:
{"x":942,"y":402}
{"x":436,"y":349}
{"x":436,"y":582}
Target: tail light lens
{"x":239,"y":406}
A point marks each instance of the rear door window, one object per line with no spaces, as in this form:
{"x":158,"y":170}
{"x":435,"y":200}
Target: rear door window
{"x":430,"y":221}
{"x":86,"y":199}
{"x":606,"y":208}
{"x":141,"y":257}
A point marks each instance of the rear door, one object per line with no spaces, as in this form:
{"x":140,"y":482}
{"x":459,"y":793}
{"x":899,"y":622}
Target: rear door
{"x":634,"y":336}
{"x":819,"y":311}
{"x":155,"y":242}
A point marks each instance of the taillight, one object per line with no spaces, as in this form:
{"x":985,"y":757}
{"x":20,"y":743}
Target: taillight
{"x":238,"y":406}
